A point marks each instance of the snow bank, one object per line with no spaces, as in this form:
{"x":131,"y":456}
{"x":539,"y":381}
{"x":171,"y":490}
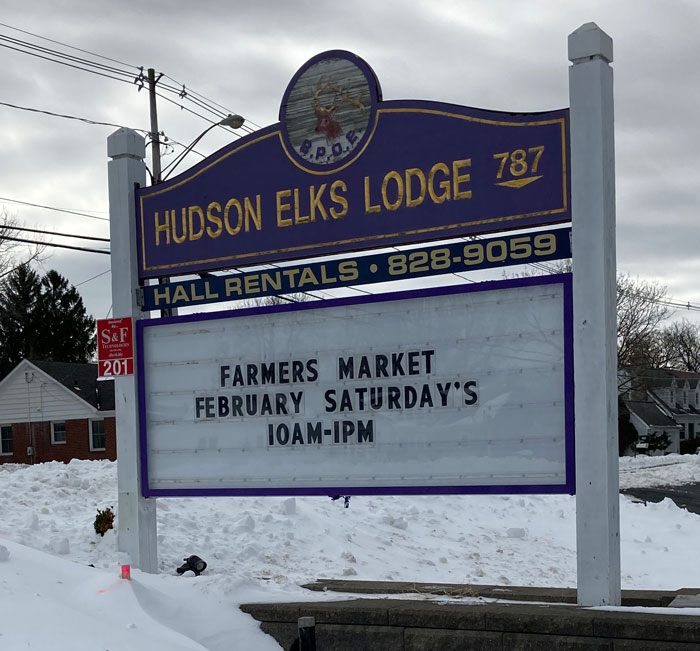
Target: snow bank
{"x":261,"y":549}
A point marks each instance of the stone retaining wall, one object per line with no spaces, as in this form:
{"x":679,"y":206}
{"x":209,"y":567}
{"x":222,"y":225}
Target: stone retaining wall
{"x":411,"y":625}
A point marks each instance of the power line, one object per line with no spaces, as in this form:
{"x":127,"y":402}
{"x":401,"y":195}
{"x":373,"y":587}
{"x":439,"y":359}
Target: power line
{"x":93,"y":278}
{"x":59,"y":246}
{"x":671,"y":302}
{"x":166,"y":139}
{"x":184,"y":94}
{"x":207,"y":105}
{"x":85,"y":65}
{"x":34,"y":230}
{"x":7,"y":273}
{"x":67,"y":57}
{"x":185,"y":108}
{"x":44,"y":38}
{"x":190,"y":91}
{"x":70,"y":212}
{"x":94,"y":72}
{"x":93,"y":67}
{"x":679,"y":305}
{"x":73,"y":117}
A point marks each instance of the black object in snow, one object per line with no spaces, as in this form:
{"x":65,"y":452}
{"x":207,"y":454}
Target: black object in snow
{"x":194,"y":564}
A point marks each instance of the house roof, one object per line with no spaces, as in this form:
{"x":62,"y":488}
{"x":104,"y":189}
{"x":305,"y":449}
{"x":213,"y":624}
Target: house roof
{"x":81,"y":379}
{"x":664,"y":377}
{"x":649,"y":413}
{"x":685,"y":376}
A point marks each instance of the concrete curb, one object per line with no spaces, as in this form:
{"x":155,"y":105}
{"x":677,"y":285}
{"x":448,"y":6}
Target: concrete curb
{"x":647,"y":598}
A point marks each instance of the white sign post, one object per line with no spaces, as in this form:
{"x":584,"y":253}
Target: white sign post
{"x":595,"y":346}
{"x":136,"y":516}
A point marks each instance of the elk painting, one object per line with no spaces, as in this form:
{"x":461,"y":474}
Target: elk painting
{"x":327,"y":109}
{"x":334,"y":97}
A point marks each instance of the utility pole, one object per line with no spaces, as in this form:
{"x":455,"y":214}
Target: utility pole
{"x":155,"y":138}
{"x":155,"y":154}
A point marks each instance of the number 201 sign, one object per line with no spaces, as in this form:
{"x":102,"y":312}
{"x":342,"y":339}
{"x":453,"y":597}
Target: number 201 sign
{"x":115,"y":347}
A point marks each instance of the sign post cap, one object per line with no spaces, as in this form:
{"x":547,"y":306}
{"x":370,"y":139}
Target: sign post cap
{"x":589,"y":41}
{"x":126,"y":142}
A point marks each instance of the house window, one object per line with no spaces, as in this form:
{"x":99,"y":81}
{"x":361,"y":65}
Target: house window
{"x":6,"y":439}
{"x":58,"y":432}
{"x":97,"y":435}
{"x":691,"y":430}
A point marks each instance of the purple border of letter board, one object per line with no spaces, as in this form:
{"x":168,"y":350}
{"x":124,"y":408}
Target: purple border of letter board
{"x":567,"y":487}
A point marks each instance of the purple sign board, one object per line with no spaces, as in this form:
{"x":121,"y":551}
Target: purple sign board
{"x":345,"y":171}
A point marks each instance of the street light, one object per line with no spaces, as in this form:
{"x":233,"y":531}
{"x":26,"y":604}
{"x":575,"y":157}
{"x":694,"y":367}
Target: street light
{"x":231,"y":120}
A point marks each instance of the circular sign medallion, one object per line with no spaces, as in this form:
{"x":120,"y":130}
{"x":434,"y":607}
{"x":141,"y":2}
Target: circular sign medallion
{"x":328,"y":111}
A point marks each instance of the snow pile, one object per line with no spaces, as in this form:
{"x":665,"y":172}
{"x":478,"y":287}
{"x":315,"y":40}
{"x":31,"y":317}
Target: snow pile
{"x":262,"y":549}
{"x":670,"y":470}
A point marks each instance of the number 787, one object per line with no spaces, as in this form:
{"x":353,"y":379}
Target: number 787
{"x":519,"y":164}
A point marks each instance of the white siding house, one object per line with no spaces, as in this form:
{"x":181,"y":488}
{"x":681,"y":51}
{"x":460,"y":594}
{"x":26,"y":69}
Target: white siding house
{"x":55,"y":411}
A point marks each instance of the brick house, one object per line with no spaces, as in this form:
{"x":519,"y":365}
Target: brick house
{"x":56,"y":411}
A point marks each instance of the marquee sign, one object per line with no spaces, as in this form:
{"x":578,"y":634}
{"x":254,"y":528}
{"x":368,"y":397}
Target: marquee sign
{"x":345,"y":171}
{"x":449,"y":390}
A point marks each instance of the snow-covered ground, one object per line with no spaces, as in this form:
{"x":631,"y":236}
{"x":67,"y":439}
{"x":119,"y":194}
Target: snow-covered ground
{"x":261,"y":549}
{"x":670,"y":470}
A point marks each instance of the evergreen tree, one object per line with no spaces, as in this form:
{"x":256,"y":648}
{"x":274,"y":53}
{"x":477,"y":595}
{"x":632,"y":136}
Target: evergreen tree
{"x":61,"y":308}
{"x":19,"y":294}
{"x":42,"y":318}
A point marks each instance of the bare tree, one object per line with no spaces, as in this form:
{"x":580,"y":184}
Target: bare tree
{"x":14,"y":253}
{"x":680,"y":342}
{"x":281,"y":300}
{"x":641,"y":309}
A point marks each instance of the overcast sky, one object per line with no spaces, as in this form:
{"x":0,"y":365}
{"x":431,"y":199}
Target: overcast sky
{"x":502,"y":55}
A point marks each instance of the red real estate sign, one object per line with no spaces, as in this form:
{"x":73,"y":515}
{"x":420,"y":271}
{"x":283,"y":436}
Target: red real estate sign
{"x":115,"y":347}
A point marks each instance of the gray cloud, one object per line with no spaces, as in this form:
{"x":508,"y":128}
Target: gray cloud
{"x":501,"y":55}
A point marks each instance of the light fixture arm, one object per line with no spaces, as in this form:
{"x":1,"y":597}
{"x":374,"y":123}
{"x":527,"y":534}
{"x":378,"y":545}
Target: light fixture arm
{"x":231,"y":120}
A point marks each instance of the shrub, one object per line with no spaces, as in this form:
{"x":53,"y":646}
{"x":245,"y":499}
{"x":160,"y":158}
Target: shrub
{"x":690,"y":446}
{"x":658,"y":441}
{"x":626,"y":432}
{"x":104,"y":521}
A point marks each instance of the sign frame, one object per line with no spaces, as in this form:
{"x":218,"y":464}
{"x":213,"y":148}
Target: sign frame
{"x":592,"y":211}
{"x":567,"y":487}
